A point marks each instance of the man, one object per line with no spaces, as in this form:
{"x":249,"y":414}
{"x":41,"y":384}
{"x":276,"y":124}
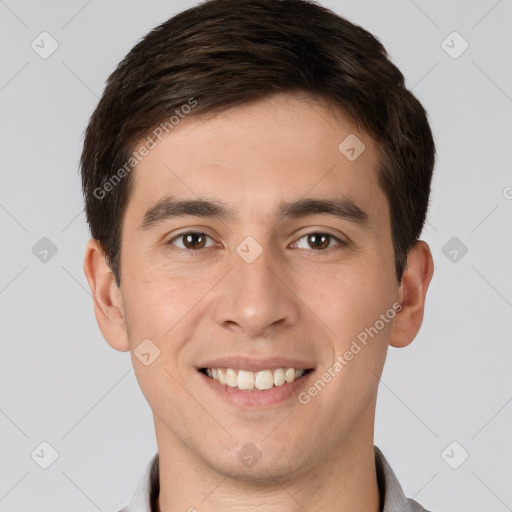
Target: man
{"x":256,"y":179}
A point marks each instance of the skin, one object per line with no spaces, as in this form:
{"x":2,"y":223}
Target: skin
{"x":294,"y":300}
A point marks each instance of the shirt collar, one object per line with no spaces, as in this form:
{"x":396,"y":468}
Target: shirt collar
{"x":391,"y":493}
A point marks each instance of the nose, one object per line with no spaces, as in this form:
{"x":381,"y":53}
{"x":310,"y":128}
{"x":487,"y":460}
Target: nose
{"x":256,"y":297}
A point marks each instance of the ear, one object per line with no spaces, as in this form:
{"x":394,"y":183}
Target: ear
{"x":411,"y":295}
{"x":108,"y":302}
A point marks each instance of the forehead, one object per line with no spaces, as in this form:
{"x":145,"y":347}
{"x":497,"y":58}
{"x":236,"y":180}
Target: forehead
{"x":259,"y":155}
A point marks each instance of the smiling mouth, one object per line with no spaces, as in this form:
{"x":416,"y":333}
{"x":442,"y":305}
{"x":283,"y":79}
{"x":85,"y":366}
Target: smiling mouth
{"x":254,"y":381}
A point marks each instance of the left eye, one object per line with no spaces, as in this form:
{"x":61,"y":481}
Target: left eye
{"x":319,"y":241}
{"x":192,"y":240}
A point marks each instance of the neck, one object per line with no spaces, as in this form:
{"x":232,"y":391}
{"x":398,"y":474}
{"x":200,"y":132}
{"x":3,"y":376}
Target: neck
{"x":346,"y":477}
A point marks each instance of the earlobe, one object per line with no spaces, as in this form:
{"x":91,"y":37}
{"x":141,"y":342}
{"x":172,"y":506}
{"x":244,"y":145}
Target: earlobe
{"x":413,"y":289}
{"x":108,"y":303}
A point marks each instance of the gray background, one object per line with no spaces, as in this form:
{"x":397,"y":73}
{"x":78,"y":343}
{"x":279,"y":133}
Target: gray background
{"x":62,"y":384}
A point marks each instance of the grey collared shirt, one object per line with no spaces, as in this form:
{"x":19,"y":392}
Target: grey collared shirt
{"x":392,"y":495}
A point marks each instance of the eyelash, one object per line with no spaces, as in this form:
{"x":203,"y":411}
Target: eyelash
{"x":340,"y":244}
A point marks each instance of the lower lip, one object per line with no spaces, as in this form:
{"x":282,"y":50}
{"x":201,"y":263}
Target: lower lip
{"x":257,"y":399}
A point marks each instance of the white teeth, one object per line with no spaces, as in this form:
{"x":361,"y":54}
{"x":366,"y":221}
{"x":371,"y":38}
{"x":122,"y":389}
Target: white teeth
{"x":246,"y":380}
{"x":289,"y":375}
{"x":231,"y":378}
{"x":279,"y":379}
{"x":264,"y":379}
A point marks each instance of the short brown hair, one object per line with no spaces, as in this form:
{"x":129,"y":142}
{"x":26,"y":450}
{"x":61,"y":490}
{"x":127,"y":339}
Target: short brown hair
{"x":224,"y":53}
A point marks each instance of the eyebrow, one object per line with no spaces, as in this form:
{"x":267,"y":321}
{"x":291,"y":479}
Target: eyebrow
{"x":342,"y":208}
{"x":171,"y":208}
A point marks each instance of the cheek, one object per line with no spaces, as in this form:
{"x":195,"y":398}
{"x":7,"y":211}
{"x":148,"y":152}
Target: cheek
{"x":349,"y":299}
{"x":155,"y":296}
{"x":156,"y":307}
{"x":161,"y":305}
{"x":359,"y":312}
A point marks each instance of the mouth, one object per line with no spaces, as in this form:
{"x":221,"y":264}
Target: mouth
{"x":255,"y":381}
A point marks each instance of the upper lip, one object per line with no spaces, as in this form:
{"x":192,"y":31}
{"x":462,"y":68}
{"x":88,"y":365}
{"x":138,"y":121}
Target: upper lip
{"x":251,"y":364}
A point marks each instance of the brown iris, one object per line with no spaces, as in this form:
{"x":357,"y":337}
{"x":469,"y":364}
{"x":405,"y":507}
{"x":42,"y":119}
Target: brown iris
{"x":194,"y":240}
{"x":319,"y":240}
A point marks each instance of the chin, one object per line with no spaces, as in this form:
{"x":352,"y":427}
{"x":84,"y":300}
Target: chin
{"x":276,"y":467}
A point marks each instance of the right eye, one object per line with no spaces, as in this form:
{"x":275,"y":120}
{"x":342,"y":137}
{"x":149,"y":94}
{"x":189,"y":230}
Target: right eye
{"x":192,"y":240}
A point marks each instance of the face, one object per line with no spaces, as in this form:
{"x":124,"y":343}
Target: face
{"x":252,"y":242}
